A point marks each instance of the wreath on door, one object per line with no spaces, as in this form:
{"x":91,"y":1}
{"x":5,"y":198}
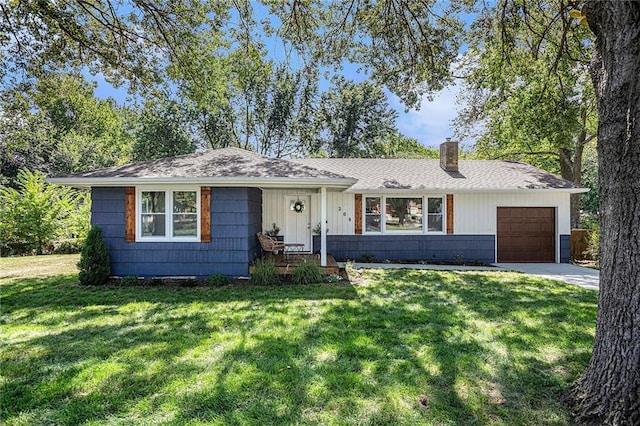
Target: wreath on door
{"x":298,"y":206}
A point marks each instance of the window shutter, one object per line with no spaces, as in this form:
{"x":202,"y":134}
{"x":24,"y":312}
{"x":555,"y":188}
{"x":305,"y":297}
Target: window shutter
{"x":205,"y":214}
{"x":358,"y":214}
{"x":449,"y":213}
{"x":130,"y":214}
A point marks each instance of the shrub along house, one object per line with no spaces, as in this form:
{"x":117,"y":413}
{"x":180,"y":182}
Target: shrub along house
{"x":198,"y":214}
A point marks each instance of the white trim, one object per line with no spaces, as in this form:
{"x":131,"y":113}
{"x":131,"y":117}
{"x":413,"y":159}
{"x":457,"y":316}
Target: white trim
{"x":383,"y":217}
{"x":323,"y":226}
{"x":346,"y":184}
{"x":168,"y":200}
{"x":407,"y":192}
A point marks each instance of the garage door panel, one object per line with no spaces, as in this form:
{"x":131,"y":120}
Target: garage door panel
{"x":526,"y":234}
{"x":547,"y":228}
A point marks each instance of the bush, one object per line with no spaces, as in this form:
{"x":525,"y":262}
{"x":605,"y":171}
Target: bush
{"x":68,"y":246}
{"x":34,"y":215}
{"x":217,"y":280}
{"x":265,"y":272}
{"x":307,"y":273}
{"x":94,"y":260}
{"x":332,"y":279}
{"x":367,"y":258}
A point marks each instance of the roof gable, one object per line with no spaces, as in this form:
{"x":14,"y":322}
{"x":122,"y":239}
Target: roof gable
{"x":224,"y":162}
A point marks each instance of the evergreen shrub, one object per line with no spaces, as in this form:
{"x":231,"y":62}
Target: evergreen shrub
{"x":94,"y":260}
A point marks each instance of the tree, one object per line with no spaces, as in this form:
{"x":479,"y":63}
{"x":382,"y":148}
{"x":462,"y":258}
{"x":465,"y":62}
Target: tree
{"x":609,"y":391}
{"x":400,"y":146}
{"x":355,"y":120}
{"x":58,"y":126}
{"x":31,"y":216}
{"x":26,"y":141}
{"x":407,"y":46}
{"x":127,"y":42}
{"x":162,"y":131}
{"x":528,"y":91}
{"x":590,"y":203}
{"x":264,"y":106}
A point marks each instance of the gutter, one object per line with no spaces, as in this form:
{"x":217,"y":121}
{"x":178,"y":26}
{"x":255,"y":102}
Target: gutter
{"x":463,"y":190}
{"x":87,"y":182}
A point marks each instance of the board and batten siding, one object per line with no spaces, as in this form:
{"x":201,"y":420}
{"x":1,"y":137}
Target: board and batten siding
{"x":477,"y":213}
{"x":340,"y":210}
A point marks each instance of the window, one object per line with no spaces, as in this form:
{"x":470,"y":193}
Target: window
{"x":403,"y":214}
{"x":389,"y":215}
{"x":372,"y":214}
{"x":169,"y":215}
{"x":434,"y":215}
{"x":153,"y":214}
{"x":185,"y":214}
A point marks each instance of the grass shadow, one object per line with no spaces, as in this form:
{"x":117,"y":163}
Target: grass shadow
{"x":395,"y":347}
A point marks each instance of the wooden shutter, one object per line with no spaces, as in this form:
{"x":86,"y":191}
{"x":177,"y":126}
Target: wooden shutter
{"x":449,"y":213}
{"x":130,"y":214}
{"x":205,"y":214}
{"x":358,"y":214}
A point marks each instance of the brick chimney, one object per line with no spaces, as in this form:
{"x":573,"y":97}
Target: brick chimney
{"x":449,"y":156}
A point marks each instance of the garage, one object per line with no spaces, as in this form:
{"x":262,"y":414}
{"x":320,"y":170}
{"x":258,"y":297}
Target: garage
{"x":526,"y":234}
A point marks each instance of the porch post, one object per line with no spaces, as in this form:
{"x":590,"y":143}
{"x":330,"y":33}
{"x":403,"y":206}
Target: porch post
{"x":323,"y":226}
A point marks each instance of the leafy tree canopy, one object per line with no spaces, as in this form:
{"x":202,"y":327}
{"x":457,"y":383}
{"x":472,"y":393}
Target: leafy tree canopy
{"x":527,"y":94}
{"x":161,"y":129}
{"x":58,"y":126}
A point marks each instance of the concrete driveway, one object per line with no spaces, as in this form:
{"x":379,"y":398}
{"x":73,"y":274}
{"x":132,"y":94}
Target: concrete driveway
{"x":572,"y":274}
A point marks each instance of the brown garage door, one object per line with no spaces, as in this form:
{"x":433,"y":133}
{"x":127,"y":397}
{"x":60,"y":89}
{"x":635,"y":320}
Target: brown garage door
{"x":526,"y":234}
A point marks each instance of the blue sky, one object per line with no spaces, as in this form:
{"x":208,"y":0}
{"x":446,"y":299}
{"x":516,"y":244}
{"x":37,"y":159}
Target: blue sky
{"x":433,"y":122}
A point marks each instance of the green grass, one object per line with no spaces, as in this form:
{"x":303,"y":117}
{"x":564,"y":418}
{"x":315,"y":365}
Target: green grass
{"x":393,"y":347}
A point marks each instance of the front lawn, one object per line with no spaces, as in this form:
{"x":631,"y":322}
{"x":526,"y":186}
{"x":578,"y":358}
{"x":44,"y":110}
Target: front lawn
{"x":392,"y":347}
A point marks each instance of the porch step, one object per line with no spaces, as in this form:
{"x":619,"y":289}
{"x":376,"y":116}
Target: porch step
{"x":285,"y":264}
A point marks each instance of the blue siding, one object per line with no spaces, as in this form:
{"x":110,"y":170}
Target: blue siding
{"x":480,"y":248}
{"x":565,"y":248}
{"x":236,"y":215}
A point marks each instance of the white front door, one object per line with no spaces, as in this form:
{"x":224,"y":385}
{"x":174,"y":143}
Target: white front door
{"x":298,"y":227}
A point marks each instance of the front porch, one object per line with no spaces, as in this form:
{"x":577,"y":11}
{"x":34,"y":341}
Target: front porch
{"x":286,"y":263}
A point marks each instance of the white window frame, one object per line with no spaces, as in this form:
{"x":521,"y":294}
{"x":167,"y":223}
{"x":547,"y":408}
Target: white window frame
{"x":364,"y":214}
{"x":425,"y":214}
{"x":168,"y":199}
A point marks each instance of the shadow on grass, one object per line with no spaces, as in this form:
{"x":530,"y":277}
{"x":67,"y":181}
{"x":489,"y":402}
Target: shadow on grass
{"x":401,"y":347}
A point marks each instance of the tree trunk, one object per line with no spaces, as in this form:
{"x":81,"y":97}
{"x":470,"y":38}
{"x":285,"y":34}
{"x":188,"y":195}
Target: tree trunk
{"x":609,"y":391}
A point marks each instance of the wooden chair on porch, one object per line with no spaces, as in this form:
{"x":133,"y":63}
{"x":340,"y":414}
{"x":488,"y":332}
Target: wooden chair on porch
{"x":270,"y":245}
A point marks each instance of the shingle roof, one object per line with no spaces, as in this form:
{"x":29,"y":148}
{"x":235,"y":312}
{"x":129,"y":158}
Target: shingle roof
{"x":393,"y":175}
{"x":224,"y":162}
{"x":234,"y":166}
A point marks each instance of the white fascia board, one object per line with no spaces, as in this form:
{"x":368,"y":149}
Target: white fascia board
{"x":87,"y":182}
{"x":465,"y":190}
